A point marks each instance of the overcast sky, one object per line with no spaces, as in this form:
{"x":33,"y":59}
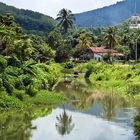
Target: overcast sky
{"x":51,"y":7}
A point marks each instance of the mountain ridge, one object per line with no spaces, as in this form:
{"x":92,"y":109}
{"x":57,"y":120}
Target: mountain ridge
{"x":108,"y":15}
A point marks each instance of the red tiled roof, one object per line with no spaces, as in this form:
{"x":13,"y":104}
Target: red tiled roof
{"x":102,"y":51}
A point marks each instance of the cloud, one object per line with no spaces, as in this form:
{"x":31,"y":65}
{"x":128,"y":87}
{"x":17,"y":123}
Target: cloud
{"x":52,"y":7}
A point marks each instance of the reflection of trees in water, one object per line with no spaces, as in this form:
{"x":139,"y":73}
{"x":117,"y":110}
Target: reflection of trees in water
{"x":109,"y":106}
{"x":78,"y":93}
{"x":15,"y":126}
{"x":137,"y":126}
{"x":64,"y":125}
{"x":18,"y":125}
{"x":110,"y":103}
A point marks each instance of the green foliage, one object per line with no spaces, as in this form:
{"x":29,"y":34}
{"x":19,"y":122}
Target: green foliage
{"x":27,"y":80}
{"x":46,"y":98}
{"x":19,"y":94}
{"x":69,"y":65}
{"x":8,"y":86}
{"x":3,"y":63}
{"x":137,"y":126}
{"x":133,"y":88}
{"x":9,"y":101}
{"x":31,"y":91}
{"x":32,"y":22}
{"x":65,"y":18}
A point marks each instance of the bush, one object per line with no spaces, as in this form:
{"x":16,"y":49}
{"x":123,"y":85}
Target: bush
{"x":13,"y":61}
{"x":3,"y":63}
{"x":31,"y":91}
{"x":19,"y":84}
{"x":27,"y":80}
{"x":9,"y":102}
{"x":88,"y":73}
{"x":133,"y":88}
{"x":69,"y":65}
{"x":19,"y":94}
{"x":9,"y":87}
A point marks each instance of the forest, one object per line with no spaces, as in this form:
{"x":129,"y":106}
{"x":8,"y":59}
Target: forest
{"x":31,"y":63}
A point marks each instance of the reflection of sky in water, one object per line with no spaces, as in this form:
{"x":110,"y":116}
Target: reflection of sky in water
{"x":87,"y":127}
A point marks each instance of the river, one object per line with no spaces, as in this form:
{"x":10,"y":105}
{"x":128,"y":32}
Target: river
{"x":86,"y":115}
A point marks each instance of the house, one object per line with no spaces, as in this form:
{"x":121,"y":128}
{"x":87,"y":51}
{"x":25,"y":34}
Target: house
{"x":98,"y":53}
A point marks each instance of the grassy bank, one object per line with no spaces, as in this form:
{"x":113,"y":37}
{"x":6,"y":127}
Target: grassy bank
{"x":122,"y":79}
{"x":43,"y":98}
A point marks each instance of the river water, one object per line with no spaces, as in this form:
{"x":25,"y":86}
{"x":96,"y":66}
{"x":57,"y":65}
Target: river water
{"x":87,"y":115}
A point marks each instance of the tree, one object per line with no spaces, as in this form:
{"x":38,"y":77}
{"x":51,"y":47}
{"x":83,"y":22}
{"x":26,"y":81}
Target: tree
{"x":84,"y":43}
{"x":54,"y":39}
{"x":110,"y":38}
{"x":65,"y":18}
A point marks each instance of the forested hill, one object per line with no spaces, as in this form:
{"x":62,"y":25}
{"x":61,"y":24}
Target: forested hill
{"x":110,"y":15}
{"x":32,"y":22}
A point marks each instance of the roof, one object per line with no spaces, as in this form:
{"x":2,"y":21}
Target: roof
{"x":103,"y":51}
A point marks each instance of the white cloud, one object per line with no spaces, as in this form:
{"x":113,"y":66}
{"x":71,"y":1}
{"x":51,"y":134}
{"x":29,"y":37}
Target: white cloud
{"x":51,"y":7}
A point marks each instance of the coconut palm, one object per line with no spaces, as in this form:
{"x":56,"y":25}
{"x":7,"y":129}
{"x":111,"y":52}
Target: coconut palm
{"x":84,"y":41}
{"x":65,"y":18}
{"x":110,"y":38}
{"x":64,"y":125}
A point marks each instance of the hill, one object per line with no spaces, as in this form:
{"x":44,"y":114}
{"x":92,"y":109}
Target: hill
{"x":109,"y":15}
{"x":32,"y":22}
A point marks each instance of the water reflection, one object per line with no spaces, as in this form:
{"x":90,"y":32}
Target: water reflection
{"x":82,"y":96}
{"x":137,"y":126}
{"x":109,"y":106}
{"x":87,"y":127}
{"x":17,"y":125}
{"x":64,"y":125}
{"x":87,"y":115}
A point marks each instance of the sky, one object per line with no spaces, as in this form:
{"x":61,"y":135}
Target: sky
{"x":52,"y":7}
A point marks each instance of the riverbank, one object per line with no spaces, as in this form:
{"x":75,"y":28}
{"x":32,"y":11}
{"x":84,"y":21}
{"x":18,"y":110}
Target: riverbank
{"x":43,"y":98}
{"x":40,"y":88}
{"x":122,"y":79}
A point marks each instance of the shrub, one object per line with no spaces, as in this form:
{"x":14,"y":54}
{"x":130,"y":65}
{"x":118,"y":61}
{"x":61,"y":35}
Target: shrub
{"x":9,"y":87}
{"x":27,"y":80}
{"x":31,"y":91}
{"x":69,"y":65}
{"x":3,"y":63}
{"x":128,"y":76}
{"x":88,"y":73}
{"x":133,"y":88}
{"x":19,"y":84}
{"x":9,"y":101}
{"x":1,"y":83}
{"x":19,"y":94}
{"x":13,"y":61}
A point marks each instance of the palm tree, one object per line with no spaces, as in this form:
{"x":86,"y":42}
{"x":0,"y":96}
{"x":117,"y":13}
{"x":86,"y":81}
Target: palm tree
{"x":110,"y":38}
{"x":65,"y":18}
{"x":84,"y":41}
{"x":64,"y":125}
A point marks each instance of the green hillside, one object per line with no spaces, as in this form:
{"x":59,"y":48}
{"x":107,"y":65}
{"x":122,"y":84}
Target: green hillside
{"x":109,"y":15}
{"x":32,"y":22}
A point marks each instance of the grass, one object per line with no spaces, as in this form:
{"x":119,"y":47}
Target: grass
{"x":46,"y":98}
